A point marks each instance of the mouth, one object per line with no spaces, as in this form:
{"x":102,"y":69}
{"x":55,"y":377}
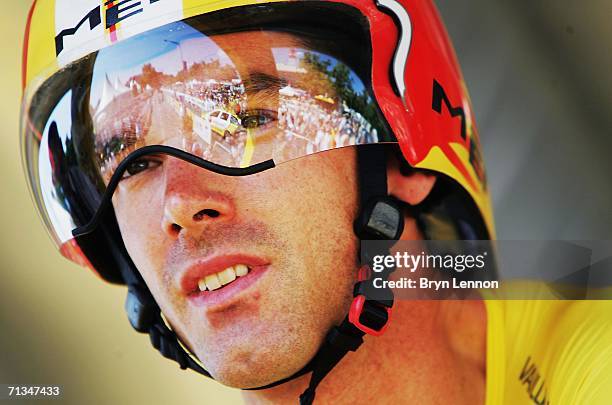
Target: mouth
{"x":218,"y":280}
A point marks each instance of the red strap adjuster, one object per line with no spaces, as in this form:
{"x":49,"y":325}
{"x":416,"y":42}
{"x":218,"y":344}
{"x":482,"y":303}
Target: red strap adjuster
{"x":358,"y":305}
{"x":356,"y":311}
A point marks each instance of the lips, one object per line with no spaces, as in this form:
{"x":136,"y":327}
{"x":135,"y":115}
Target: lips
{"x":216,"y":280}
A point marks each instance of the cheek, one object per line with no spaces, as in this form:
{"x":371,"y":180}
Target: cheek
{"x":314,"y":190}
{"x":139,"y":212}
{"x":316,"y":204}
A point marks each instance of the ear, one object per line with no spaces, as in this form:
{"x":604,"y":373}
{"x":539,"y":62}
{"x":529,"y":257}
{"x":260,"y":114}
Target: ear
{"x":410,"y":186}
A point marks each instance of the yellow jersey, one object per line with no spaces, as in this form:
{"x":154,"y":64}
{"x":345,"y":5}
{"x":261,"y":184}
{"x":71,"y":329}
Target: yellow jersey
{"x":549,"y":352}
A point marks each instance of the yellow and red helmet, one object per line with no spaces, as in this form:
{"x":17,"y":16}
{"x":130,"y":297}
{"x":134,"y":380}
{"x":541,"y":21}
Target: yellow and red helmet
{"x":412,"y":77}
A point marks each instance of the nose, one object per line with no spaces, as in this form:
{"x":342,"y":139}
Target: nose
{"x":190,"y":204}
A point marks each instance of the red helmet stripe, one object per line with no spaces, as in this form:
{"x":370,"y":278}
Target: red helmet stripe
{"x":26,"y":40}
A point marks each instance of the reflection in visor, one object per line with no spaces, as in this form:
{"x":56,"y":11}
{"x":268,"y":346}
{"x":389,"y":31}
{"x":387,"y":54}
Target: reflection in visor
{"x":232,"y":99}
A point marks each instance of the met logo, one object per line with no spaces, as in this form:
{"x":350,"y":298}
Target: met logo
{"x":114,"y":13}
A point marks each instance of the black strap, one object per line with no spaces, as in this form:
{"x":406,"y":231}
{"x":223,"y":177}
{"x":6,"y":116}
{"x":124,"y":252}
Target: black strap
{"x":338,"y":342}
{"x":372,"y":166}
{"x":166,"y":342}
{"x":372,"y":169}
{"x":145,"y":316}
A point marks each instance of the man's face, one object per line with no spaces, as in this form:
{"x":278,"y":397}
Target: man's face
{"x":291,"y":226}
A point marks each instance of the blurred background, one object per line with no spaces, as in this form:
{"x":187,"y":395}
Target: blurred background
{"x":539,"y":76}
{"x":538,"y":72}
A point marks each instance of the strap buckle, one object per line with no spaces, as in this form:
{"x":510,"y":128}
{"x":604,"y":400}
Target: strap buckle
{"x":369,"y":316}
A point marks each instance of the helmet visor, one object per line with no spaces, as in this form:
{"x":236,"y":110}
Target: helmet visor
{"x":231,"y":100}
{"x":234,"y":99}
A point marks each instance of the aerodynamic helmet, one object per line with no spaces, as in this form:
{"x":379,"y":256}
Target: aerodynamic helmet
{"x":106,"y":82}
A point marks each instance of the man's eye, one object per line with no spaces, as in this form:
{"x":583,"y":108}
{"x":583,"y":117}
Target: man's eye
{"x":258,"y":118}
{"x":139,"y":166}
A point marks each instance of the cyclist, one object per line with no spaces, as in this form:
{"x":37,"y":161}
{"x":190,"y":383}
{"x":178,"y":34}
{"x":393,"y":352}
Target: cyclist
{"x":240,"y":251}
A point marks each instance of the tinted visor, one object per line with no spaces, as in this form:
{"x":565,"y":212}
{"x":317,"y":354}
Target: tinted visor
{"x":235,"y":102}
{"x":234,"y":99}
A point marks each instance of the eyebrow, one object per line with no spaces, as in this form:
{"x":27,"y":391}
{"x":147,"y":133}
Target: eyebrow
{"x":258,"y":82}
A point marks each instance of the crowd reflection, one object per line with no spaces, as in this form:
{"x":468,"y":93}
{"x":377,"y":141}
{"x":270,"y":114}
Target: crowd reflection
{"x":212,"y":118}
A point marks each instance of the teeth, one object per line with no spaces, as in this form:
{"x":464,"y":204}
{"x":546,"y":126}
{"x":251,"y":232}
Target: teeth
{"x":212,"y":282}
{"x":227,"y":276}
{"x":215,"y":281}
{"x":241,"y":270}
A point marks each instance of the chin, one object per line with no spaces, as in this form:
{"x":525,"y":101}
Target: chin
{"x":243,"y":376}
{"x":255,"y":368}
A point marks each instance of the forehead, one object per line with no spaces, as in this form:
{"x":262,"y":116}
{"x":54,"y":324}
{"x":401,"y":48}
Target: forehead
{"x":178,"y":49}
{"x":247,"y":42}
{"x":259,"y":56}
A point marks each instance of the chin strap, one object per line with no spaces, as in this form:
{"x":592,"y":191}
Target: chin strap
{"x":145,"y":317}
{"x":380,"y":218}
{"x":366,"y":316}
